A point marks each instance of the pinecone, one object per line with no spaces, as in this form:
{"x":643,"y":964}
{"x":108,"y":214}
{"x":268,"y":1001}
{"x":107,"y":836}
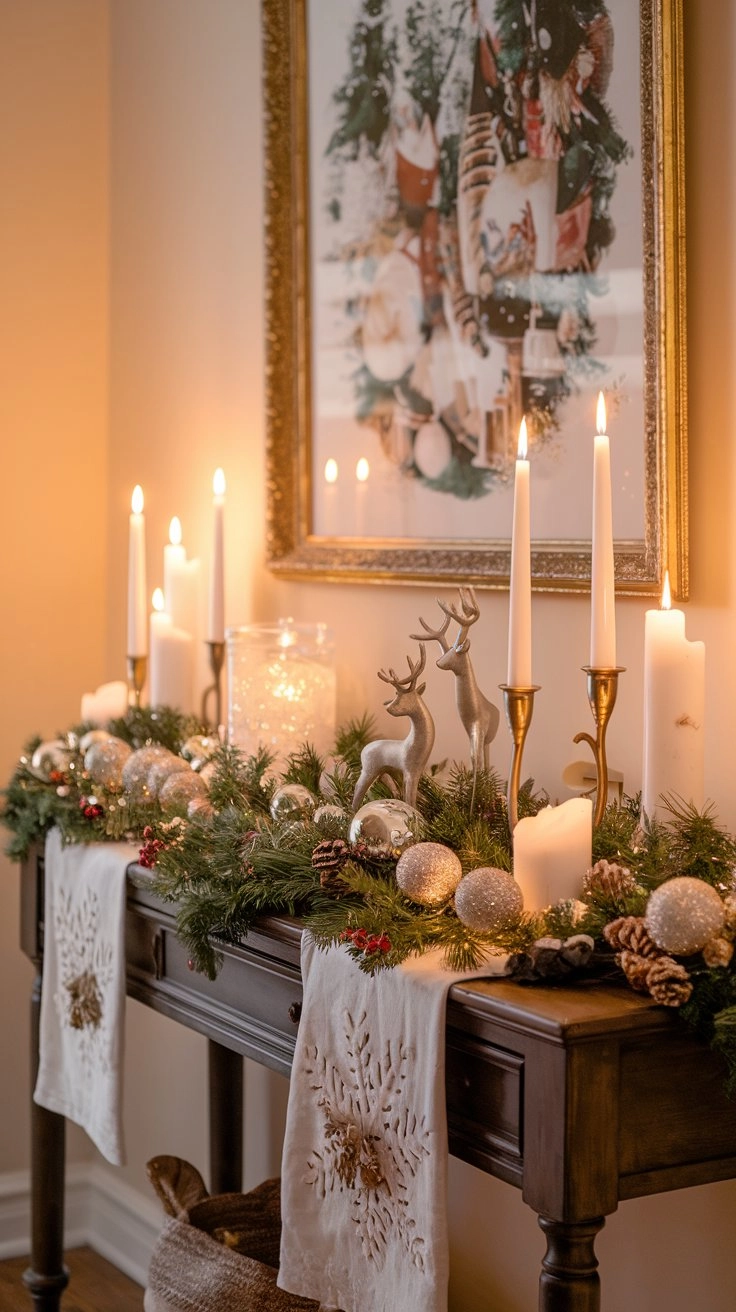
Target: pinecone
{"x":668,"y":982}
{"x":629,"y":933}
{"x":718,"y":952}
{"x":608,"y":881}
{"x":635,"y":969}
{"x":330,"y":855}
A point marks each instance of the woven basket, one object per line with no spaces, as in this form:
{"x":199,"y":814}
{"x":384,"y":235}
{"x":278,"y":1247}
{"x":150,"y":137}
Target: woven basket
{"x":216,"y":1253}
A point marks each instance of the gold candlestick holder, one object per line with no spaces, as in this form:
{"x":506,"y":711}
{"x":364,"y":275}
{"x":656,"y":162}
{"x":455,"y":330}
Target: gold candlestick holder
{"x":519,"y":705}
{"x":137,"y":667}
{"x":602,"y":691}
{"x":217,"y":660}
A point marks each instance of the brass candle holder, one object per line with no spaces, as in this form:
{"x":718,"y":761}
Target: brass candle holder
{"x":217,"y":660}
{"x":602,"y":691}
{"x":519,"y":705}
{"x":137,"y":667}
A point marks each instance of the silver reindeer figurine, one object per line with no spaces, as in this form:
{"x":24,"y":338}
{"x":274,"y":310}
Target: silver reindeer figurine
{"x":408,"y":755}
{"x":479,"y":716}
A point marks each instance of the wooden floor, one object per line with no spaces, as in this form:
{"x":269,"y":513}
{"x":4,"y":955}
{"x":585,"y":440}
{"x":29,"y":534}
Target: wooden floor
{"x":95,"y":1286}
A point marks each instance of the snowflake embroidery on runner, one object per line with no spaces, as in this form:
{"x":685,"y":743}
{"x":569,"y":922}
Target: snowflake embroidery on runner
{"x":374,"y":1142}
{"x":86,"y":972}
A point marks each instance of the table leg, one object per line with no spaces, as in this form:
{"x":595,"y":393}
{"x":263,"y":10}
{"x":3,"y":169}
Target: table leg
{"x":569,"y":1281}
{"x":226,"y":1118}
{"x":47,"y":1276}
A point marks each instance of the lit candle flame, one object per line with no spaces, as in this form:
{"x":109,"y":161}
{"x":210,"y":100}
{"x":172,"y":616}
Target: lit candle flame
{"x":218,"y":483}
{"x":523,"y":441}
{"x":666,"y":594}
{"x":362,"y":470}
{"x":330,"y":471}
{"x":600,"y":414}
{"x":136,"y":501}
{"x":175,"y":532}
{"x":157,"y":600}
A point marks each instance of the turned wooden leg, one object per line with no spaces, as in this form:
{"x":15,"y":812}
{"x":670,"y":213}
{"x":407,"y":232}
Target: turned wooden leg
{"x":226,"y":1118}
{"x":47,"y":1276}
{"x":569,"y":1281}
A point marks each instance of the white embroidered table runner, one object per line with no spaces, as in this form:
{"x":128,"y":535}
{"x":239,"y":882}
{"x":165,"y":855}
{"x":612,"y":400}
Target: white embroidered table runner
{"x":364,"y":1171}
{"x":83,"y":988}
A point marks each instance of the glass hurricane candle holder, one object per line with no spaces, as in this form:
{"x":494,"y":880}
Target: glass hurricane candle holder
{"x":281,"y":687}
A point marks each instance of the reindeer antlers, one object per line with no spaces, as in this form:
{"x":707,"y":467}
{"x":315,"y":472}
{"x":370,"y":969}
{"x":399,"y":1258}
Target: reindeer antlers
{"x":409,"y":683}
{"x":468,"y":615}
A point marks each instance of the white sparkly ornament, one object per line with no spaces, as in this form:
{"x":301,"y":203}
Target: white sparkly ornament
{"x":135,"y":770}
{"x":162,"y":769}
{"x":179,"y":790}
{"x":683,"y":914}
{"x":200,"y":806}
{"x":388,"y":826}
{"x":428,"y":873}
{"x":488,"y":898}
{"x":104,"y":762}
{"x":94,"y":736}
{"x":198,"y":749}
{"x":292,"y":802}
{"x":48,"y":757}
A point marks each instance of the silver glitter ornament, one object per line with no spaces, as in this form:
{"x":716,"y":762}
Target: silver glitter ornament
{"x":388,"y":826}
{"x":428,"y":873}
{"x":292,"y":802}
{"x":162,"y":769}
{"x":179,"y":790}
{"x":94,"y":736}
{"x":104,"y":762}
{"x":48,"y":757}
{"x":488,"y":898}
{"x":135,"y":770}
{"x":198,"y":749}
{"x":200,"y":806}
{"x":683,"y":914}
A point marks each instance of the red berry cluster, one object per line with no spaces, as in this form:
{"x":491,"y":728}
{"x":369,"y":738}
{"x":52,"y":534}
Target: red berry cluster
{"x":365,"y":942}
{"x":150,"y":850}
{"x":57,"y":777}
{"x":90,"y":810}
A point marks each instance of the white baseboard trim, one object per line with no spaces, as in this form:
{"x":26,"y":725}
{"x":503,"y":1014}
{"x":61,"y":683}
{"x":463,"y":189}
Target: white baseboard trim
{"x":101,"y":1211}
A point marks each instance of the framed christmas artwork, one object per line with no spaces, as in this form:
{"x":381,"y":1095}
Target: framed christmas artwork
{"x":474,"y":214}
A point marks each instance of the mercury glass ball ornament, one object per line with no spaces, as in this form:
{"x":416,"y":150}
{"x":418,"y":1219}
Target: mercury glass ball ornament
{"x":104,"y":762}
{"x":198,"y":749}
{"x":292,"y":802}
{"x":428,"y":873}
{"x":162,"y":769}
{"x":49,"y":756}
{"x":200,"y":806}
{"x":179,"y":790}
{"x":93,"y":736}
{"x":387,"y":825}
{"x":135,"y":770}
{"x":488,"y":898}
{"x":683,"y":914}
{"x":329,"y":813}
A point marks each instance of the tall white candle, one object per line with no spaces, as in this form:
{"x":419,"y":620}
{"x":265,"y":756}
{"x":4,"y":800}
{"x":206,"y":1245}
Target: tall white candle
{"x":362,"y":474}
{"x":674,"y":710}
{"x":330,"y":493}
{"x":171,"y":676}
{"x":553,"y":851}
{"x":602,"y":586}
{"x":519,"y":673}
{"x":181,"y":582}
{"x":137,"y":617}
{"x":216,"y":616}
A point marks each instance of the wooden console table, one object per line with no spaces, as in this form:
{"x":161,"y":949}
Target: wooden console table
{"x":580,"y":1097}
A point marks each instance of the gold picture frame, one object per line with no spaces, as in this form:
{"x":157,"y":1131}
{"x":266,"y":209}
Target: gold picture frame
{"x":295,"y":547}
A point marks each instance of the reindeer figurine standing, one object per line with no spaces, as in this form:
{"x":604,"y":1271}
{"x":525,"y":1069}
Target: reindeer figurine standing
{"x":408,"y":755}
{"x":479,"y":716}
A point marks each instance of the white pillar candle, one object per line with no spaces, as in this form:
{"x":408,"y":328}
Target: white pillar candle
{"x":107,"y":703}
{"x":674,"y":710}
{"x":181,"y":582}
{"x":330,"y":493}
{"x":172,"y":661}
{"x":137,"y":640}
{"x":519,"y":673}
{"x":553,"y":851}
{"x":216,"y":616}
{"x":602,"y":586}
{"x":362,"y":474}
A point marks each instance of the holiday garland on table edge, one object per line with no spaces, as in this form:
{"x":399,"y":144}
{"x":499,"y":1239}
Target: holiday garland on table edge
{"x":250,"y":843}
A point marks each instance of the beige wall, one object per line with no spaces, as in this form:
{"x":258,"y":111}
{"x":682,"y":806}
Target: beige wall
{"x":186,"y":394}
{"x":53,"y":423}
